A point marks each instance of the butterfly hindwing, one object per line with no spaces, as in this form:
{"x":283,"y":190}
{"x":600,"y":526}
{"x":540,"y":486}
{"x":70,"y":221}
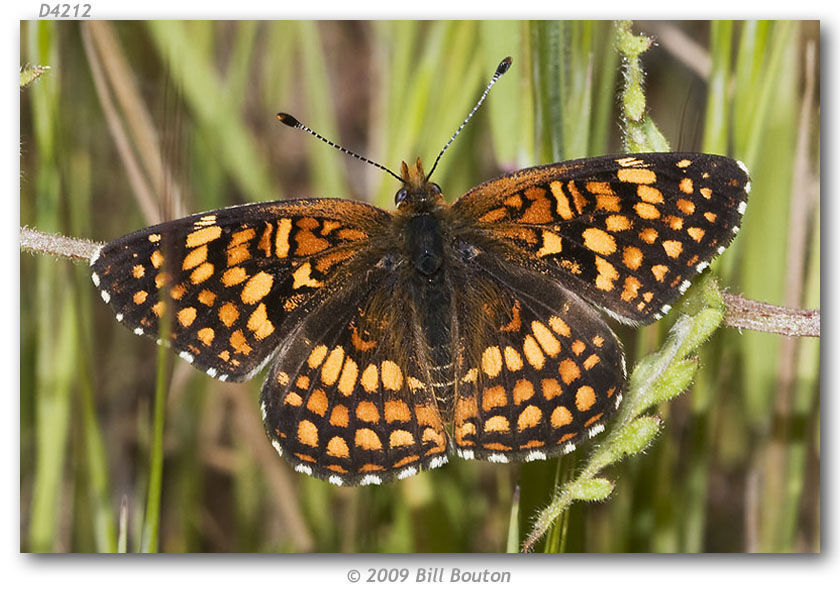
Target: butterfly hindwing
{"x":626,"y":233}
{"x":231,"y":283}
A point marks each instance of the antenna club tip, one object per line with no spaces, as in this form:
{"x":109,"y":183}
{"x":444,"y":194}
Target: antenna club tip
{"x":504,"y":65}
{"x":287,"y":119}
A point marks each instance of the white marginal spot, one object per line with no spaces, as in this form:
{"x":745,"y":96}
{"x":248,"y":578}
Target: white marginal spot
{"x":666,"y":308}
{"x":95,"y":256}
{"x":466,"y":454}
{"x":743,"y":167}
{"x":701,"y":266}
{"x":139,"y":331}
{"x":684,"y":285}
{"x":742,"y":207}
{"x":186,"y":356}
{"x":748,"y":187}
{"x":106,"y":296}
{"x":735,"y":229}
{"x":305,"y":469}
{"x":721,"y":249}
{"x":535,"y":455}
{"x":407,"y":472}
{"x":596,"y":430}
{"x":95,"y":278}
{"x":119,"y":317}
{"x":623,"y":365}
{"x":618,"y":400}
{"x":223,"y":377}
{"x":438,"y":461}
{"x":568,"y":448}
{"x":262,"y":410}
{"x":277,"y":447}
{"x":497,"y":458}
{"x":371,"y":480}
{"x":336,"y":480}
{"x":212,"y":372}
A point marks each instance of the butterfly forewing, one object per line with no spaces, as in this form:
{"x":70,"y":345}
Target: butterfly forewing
{"x":627,"y":233}
{"x":232,"y":283}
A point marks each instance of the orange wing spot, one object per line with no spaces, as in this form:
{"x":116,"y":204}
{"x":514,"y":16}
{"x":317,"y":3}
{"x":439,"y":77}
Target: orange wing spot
{"x":513,"y":360}
{"x":371,"y":467}
{"x":427,"y":415}
{"x":533,"y":354}
{"x":370,"y":379}
{"x":563,"y":208}
{"x":551,"y":388}
{"x":539,"y":210}
{"x":617,"y":223}
{"x":392,"y":376}
{"x":194,"y":258}
{"x":571,"y":266}
{"x":674,"y":222}
{"x":673,"y":248}
{"x":599,"y":187}
{"x":606,"y":275}
{"x":332,"y":366}
{"x":684,"y":163}
{"x":497,"y":445}
{"x":560,"y":417}
{"x":234,"y":276}
{"x":407,"y":460}
{"x":578,"y":346}
{"x":281,"y":240}
{"x":203,"y":236}
{"x":636,"y":175}
{"x":471,"y":376}
{"x":366,"y":411}
{"x":497,"y":214}
{"x":359,"y":343}
{"x":366,"y":439}
{"x":523,"y":391}
{"x":224,"y":355}
{"x":138,"y":271}
{"x":303,"y":277}
{"x":584,"y":398}
{"x":529,"y":417}
{"x":696,"y":233}
{"x":349,"y":374}
{"x":591,"y":361}
{"x":546,"y":339}
{"x":186,"y":316}
{"x":293,"y":399}
{"x":353,"y":235}
{"x":497,"y":423}
{"x":598,"y":341}
{"x":491,"y":361}
{"x":202,"y":273}
{"x":282,"y":378}
{"x":706,"y":192}
{"x":307,"y":433}
{"x":632,"y":257}
{"x":338,"y":447}
{"x":206,"y":297}
{"x":494,"y":397}
{"x":340,"y":416}
{"x":647,"y":296}
{"x":162,"y":279}
{"x":568,"y":370}
{"x":265,"y":240}
{"x":302,"y":382}
{"x":154,"y":238}
{"x":607,"y":202}
{"x":336,"y":468}
{"x":159,"y":308}
{"x":397,"y":410}
{"x":259,"y":323}
{"x":591,"y":420}
{"x":318,"y":402}
{"x":228,"y":314}
{"x":400,"y":437}
{"x":157,"y":259}
{"x":238,"y":254}
{"x":241,"y":237}
{"x":559,"y":326}
{"x":631,"y":289}
{"x":659,"y":272}
{"x":430,"y":435}
{"x":257,"y":287}
{"x":648,"y":235}
{"x":646,"y":211}
{"x":577,"y":197}
{"x":466,"y":408}
{"x":515,"y":322}
{"x":552,"y":244}
{"x":686,"y":206}
{"x":599,"y":241}
{"x":686,"y":186}
{"x":140,"y":297}
{"x":239,"y":344}
{"x":461,"y":433}
{"x":710,"y":216}
{"x":513,"y":201}
{"x":649,"y":194}
{"x":308,"y":243}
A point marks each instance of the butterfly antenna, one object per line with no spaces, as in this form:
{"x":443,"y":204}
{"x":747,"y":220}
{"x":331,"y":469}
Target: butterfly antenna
{"x":289,"y":120}
{"x":500,"y":70}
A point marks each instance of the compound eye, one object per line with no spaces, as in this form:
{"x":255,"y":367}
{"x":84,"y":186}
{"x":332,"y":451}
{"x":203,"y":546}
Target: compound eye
{"x":435,"y":189}
{"x":401,"y":195}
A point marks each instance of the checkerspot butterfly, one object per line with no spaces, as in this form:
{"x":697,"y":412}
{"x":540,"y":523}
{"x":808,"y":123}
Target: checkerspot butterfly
{"x":398,"y":337}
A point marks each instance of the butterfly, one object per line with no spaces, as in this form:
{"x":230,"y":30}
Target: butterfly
{"x":398,"y":337}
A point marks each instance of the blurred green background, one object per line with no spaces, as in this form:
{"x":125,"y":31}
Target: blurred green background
{"x":138,"y":122}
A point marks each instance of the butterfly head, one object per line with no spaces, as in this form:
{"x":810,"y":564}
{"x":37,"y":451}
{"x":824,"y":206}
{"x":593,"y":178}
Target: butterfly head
{"x":417,"y":190}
